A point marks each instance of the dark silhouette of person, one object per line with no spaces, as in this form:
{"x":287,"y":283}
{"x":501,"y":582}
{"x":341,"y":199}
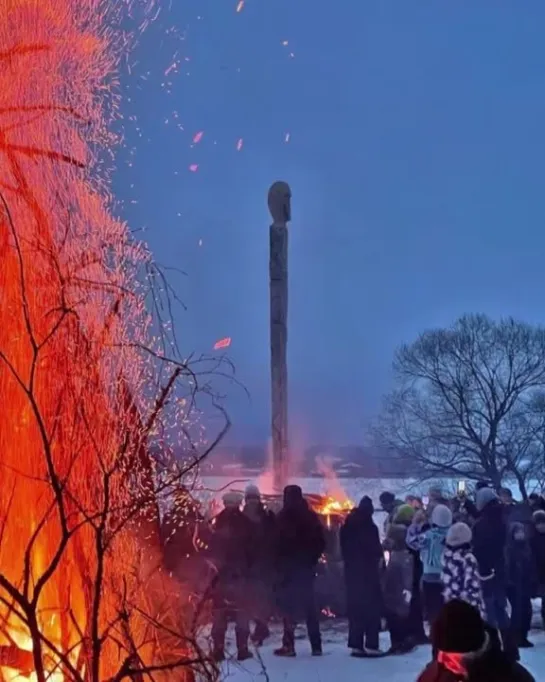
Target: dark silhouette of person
{"x":362,"y":554}
{"x":299,"y":544}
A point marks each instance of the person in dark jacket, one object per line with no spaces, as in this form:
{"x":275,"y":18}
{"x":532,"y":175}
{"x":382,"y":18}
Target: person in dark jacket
{"x":362,"y":554}
{"x":489,"y":542}
{"x":261,"y":577}
{"x":521,"y":581}
{"x":397,"y":585}
{"x":231,"y":548}
{"x":468,"y":650}
{"x":300,"y":542}
{"x":538,"y":551}
{"x":536,"y":502}
{"x":389,"y":504}
{"x":404,"y":515}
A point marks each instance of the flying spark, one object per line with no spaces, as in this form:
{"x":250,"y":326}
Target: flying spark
{"x":222,"y":343}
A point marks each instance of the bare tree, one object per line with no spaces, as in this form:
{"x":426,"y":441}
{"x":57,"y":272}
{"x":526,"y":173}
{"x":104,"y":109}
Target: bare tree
{"x":467,"y":401}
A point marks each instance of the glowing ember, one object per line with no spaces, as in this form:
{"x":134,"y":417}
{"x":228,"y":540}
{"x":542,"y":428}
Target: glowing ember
{"x":222,"y":343}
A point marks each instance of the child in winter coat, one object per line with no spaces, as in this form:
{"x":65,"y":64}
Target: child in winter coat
{"x":460,"y":574}
{"x":397,"y":580}
{"x":430,"y":542}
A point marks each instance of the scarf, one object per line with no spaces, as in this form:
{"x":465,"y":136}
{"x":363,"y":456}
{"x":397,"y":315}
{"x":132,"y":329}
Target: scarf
{"x":457,"y":663}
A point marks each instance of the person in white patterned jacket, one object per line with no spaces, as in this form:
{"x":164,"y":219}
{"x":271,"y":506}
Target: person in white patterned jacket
{"x":460,"y":570}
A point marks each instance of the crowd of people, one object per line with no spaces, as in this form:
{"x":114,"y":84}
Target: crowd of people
{"x":265,"y":563}
{"x":446,"y":561}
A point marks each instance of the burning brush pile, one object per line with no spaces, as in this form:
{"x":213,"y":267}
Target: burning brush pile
{"x":82,"y":594}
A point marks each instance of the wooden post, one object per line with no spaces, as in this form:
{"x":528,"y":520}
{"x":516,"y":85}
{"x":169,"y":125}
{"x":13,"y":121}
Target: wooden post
{"x":279,"y":201}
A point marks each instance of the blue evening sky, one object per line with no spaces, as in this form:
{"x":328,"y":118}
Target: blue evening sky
{"x":415,"y":158}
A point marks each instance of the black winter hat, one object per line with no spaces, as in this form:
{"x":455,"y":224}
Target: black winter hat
{"x":458,"y":629}
{"x":366,"y":506}
{"x":292,"y":494}
{"x":386,"y":498}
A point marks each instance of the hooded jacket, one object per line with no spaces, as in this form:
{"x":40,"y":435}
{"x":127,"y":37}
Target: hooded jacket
{"x":299,"y":535}
{"x":360,"y":545}
{"x":431,"y":545}
{"x":488,"y":664}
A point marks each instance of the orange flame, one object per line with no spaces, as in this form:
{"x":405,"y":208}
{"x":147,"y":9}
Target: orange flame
{"x":336,"y":500}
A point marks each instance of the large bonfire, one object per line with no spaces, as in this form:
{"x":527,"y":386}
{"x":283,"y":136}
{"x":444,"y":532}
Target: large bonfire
{"x":79,"y":596}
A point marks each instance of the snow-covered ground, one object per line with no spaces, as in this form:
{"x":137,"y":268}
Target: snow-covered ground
{"x":337,"y":666}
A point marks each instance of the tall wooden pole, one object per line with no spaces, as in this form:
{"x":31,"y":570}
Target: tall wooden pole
{"x":279,"y":200}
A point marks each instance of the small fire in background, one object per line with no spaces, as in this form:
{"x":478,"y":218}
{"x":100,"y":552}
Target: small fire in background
{"x":333,"y":506}
{"x":336,"y":501}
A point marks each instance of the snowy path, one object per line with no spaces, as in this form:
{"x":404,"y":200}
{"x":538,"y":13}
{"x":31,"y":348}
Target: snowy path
{"x":337,"y":666}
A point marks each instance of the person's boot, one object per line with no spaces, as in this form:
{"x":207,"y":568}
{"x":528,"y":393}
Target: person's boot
{"x":317,"y":650}
{"x":510,"y":647}
{"x":285,"y":651}
{"x":373,"y":653}
{"x":526,"y":644}
{"x":218,"y":655}
{"x":244,"y":654}
{"x":358,"y":653}
{"x":407,"y":646}
{"x":260,"y":634}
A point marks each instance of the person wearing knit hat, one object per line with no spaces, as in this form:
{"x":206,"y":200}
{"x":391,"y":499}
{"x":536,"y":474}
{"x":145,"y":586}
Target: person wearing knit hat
{"x":459,"y":535}
{"x":489,"y":542}
{"x":467,"y":649}
{"x":460,"y":575}
{"x":252,"y":493}
{"x":430,"y":543}
{"x":441,"y":516}
{"x":404,"y":515}
{"x":261,"y":576}
{"x":231,"y":548}
{"x":483,"y":497}
{"x":232,"y":499}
